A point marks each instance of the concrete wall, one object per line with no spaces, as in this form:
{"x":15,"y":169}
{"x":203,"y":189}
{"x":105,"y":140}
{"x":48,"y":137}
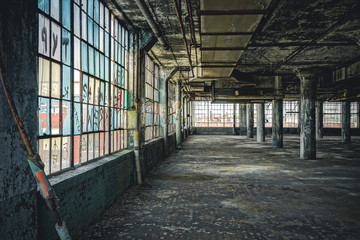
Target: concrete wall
{"x":18,"y":43}
{"x":86,"y":192}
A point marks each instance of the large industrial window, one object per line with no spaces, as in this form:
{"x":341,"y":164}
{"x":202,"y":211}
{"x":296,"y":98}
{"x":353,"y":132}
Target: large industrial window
{"x":206,"y":114}
{"x":332,"y":115}
{"x":82,"y":82}
{"x":354,"y":118}
{"x":290,"y":114}
{"x":171,"y":107}
{"x":152,"y":105}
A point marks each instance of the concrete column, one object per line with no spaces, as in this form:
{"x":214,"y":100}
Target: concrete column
{"x":260,"y":128}
{"x":234,"y":119}
{"x":319,"y":119}
{"x":277,"y":114}
{"x":178,"y":114}
{"x":277,"y":124}
{"x":299,"y":118}
{"x":243,"y":126}
{"x":307,"y":135}
{"x":345,"y":122}
{"x":164,"y":110}
{"x":188,"y":117}
{"x":358,"y":116}
{"x":250,"y":120}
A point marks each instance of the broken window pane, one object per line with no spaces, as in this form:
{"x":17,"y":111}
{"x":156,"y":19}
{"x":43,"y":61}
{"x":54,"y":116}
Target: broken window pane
{"x":44,"y":77}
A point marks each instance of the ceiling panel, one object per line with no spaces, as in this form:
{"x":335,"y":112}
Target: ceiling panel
{"x":233,"y":4}
{"x":229,"y":23}
{"x":225,"y":41}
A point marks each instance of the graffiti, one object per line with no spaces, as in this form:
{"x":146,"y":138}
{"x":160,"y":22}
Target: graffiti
{"x":77,"y":120}
{"x":44,"y":37}
{"x":65,"y":42}
{"x":55,"y":43}
{"x":55,"y":148}
{"x":65,"y":150}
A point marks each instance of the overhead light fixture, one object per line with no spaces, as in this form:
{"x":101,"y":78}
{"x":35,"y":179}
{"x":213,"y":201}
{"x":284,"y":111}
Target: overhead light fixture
{"x":237,"y":93}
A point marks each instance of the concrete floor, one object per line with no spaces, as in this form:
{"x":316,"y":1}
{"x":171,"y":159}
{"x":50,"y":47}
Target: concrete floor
{"x":230,"y":187}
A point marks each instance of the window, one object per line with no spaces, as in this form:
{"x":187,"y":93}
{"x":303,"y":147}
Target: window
{"x":152,"y":105}
{"x":290,"y":114}
{"x":332,"y":115}
{"x":82,"y":91}
{"x":206,"y":114}
{"x":354,"y":115}
{"x":171,"y":107}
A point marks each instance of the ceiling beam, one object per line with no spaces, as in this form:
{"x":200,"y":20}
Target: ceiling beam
{"x":226,"y":33}
{"x":222,"y":48}
{"x":300,"y":44}
{"x":233,"y":12}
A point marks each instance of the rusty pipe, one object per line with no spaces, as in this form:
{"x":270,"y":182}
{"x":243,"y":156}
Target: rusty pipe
{"x":153,"y":25}
{"x":189,"y":8}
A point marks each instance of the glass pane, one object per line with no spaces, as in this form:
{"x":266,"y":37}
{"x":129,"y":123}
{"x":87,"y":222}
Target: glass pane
{"x":85,"y":88}
{"x":90,"y":118}
{"x":55,"y":80}
{"x":55,"y":41}
{"x":90,"y":31}
{"x":77,"y":149}
{"x":44,"y":116}
{"x":84,"y":147}
{"x":44,"y":153}
{"x":107,"y":19}
{"x":55,"y":154}
{"x":55,"y":9}
{"x":77,"y":85}
{"x":101,"y":20}
{"x":102,"y":93}
{"x":66,"y":152}
{"x":91,"y":90}
{"x":107,"y":44}
{"x":83,"y":26}
{"x":44,"y":5}
{"x":91,"y":8}
{"x":84,"y":57}
{"x":96,"y":145}
{"x":66,"y":47}
{"x":96,"y":118}
{"x":44,"y":77}
{"x":55,"y":117}
{"x":66,"y":117}
{"x":77,"y":53}
{"x":102,"y":66}
{"x":106,"y":143}
{"x":101,"y":40}
{"x":44,"y":35}
{"x":97,"y":91}
{"x":90,"y":146}
{"x":102,"y":144}
{"x":97,"y":64}
{"x":77,"y":118}
{"x":101,"y":119}
{"x":84,"y":117}
{"x":106,"y":96}
{"x":66,"y":14}
{"x":96,"y":36}
{"x":107,"y":66}
{"x":107,"y":119}
{"x":91,"y":61}
{"x":66,"y":77}
{"x":77,"y":25}
{"x":84,"y":5}
{"x":96,"y":11}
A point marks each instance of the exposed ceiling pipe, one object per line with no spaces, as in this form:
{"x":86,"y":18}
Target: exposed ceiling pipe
{"x":188,"y":3}
{"x":183,"y":34}
{"x":153,"y":25}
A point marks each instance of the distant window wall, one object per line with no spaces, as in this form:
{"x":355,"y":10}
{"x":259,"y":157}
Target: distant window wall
{"x":206,"y":114}
{"x":332,"y":114}
{"x":152,"y":99}
{"x":171,"y":107}
{"x":82,"y":82}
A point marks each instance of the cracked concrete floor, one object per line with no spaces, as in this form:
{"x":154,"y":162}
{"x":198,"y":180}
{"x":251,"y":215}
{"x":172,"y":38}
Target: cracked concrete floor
{"x":230,"y":187}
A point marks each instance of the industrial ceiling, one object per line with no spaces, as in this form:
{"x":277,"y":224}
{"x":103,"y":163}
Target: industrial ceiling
{"x":237,"y":46}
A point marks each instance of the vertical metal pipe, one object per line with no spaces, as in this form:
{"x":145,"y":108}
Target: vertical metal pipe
{"x":178,"y":113}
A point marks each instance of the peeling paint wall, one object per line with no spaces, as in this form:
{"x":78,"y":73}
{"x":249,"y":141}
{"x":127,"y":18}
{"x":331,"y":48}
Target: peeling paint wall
{"x":18,"y":38}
